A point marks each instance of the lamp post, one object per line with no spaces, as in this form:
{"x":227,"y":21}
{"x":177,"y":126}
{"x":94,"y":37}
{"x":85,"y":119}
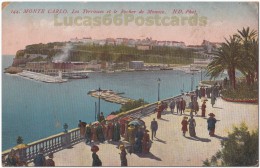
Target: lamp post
{"x":200,"y":73}
{"x":99,"y":94}
{"x":192,"y":81}
{"x":158,"y":80}
{"x":95,"y":111}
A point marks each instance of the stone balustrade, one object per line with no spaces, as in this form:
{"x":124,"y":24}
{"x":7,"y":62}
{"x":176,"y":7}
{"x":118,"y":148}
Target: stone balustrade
{"x":64,"y":140}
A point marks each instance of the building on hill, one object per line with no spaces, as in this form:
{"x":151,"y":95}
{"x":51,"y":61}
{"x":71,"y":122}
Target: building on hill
{"x":137,"y":65}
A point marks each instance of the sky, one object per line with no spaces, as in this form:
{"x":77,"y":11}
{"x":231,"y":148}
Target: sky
{"x":222,"y":20}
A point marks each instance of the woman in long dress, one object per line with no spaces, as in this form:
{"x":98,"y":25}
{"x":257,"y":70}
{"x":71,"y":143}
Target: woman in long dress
{"x":192,"y":125}
{"x":184,"y":124}
{"x":203,"y":109}
{"x":146,"y":142}
{"x":159,"y":110}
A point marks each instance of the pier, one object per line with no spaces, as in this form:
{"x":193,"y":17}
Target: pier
{"x":110,"y":96}
{"x":42,"y":77}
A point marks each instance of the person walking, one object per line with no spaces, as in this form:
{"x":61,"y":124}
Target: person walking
{"x":39,"y":160}
{"x":203,"y":92}
{"x":192,"y":125}
{"x":100,"y":133}
{"x":123,"y":155}
{"x":116,"y":133}
{"x":88,"y":134}
{"x":196,"y":106}
{"x":203,"y":109}
{"x":172,"y":106}
{"x":212,"y":100}
{"x":96,"y":160}
{"x":159,"y":110}
{"x":197,"y":92}
{"x":146,"y":142}
{"x":94,"y":133}
{"x":184,"y":124}
{"x":154,"y":127}
{"x":178,"y":105}
{"x":131,"y":137}
{"x":211,"y":124}
{"x":49,"y":161}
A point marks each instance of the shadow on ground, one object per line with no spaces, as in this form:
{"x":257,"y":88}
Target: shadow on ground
{"x":220,"y":137}
{"x":159,"y":140}
{"x":217,"y":107}
{"x":198,"y":139}
{"x":148,"y":155}
{"x":163,"y":119}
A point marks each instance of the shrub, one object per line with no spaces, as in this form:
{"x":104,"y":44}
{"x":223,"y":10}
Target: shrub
{"x":240,"y":149}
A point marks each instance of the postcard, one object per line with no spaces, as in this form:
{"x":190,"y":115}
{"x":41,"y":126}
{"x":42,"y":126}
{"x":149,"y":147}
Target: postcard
{"x":130,"y":83}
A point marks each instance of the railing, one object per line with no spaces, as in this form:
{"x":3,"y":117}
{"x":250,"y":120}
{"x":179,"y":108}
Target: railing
{"x":50,"y":144}
{"x":60,"y":141}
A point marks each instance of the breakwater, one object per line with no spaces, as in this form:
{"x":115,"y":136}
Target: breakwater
{"x":41,"y":77}
{"x":110,"y":96}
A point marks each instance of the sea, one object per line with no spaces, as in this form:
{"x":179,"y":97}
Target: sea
{"x":36,"y":110}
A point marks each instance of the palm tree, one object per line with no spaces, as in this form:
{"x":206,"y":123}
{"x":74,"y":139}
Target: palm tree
{"x":249,"y":53}
{"x":227,"y":58}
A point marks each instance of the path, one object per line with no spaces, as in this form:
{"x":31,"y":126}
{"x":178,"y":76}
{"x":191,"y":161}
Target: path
{"x":171,"y":149}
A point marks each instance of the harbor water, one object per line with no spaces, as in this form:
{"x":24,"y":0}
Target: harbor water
{"x":36,"y":110}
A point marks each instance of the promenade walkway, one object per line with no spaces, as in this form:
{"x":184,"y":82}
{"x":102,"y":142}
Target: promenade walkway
{"x":171,"y":148}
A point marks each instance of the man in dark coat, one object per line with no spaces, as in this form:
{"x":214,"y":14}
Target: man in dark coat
{"x":154,"y":127}
{"x":123,"y":155}
{"x":88,"y":134}
{"x":211,"y":124}
{"x":39,"y":160}
{"x":172,"y":106}
{"x":100,"y":133}
{"x":116,"y":132}
{"x":96,"y":160}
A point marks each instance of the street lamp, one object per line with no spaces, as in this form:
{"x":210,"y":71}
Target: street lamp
{"x":200,"y":73}
{"x":192,"y":81}
{"x":99,"y":94}
{"x":158,"y":80}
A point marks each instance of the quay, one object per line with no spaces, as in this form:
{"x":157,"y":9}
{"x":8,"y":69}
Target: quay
{"x":169,"y":148}
{"x":110,"y":96}
{"x":42,"y":77}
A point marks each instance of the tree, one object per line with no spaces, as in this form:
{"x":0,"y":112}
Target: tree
{"x":240,"y":149}
{"x":249,"y":52}
{"x":227,"y":58}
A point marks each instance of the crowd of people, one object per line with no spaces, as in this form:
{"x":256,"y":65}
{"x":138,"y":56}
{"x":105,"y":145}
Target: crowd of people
{"x":190,"y":101}
{"x":126,"y":129}
{"x":134,"y":130}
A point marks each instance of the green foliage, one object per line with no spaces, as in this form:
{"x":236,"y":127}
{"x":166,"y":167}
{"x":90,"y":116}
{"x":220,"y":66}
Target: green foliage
{"x":240,"y":149}
{"x":19,"y":140}
{"x":240,"y":52}
{"x":122,"y":53}
{"x":131,"y":105}
{"x":243,"y":91}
